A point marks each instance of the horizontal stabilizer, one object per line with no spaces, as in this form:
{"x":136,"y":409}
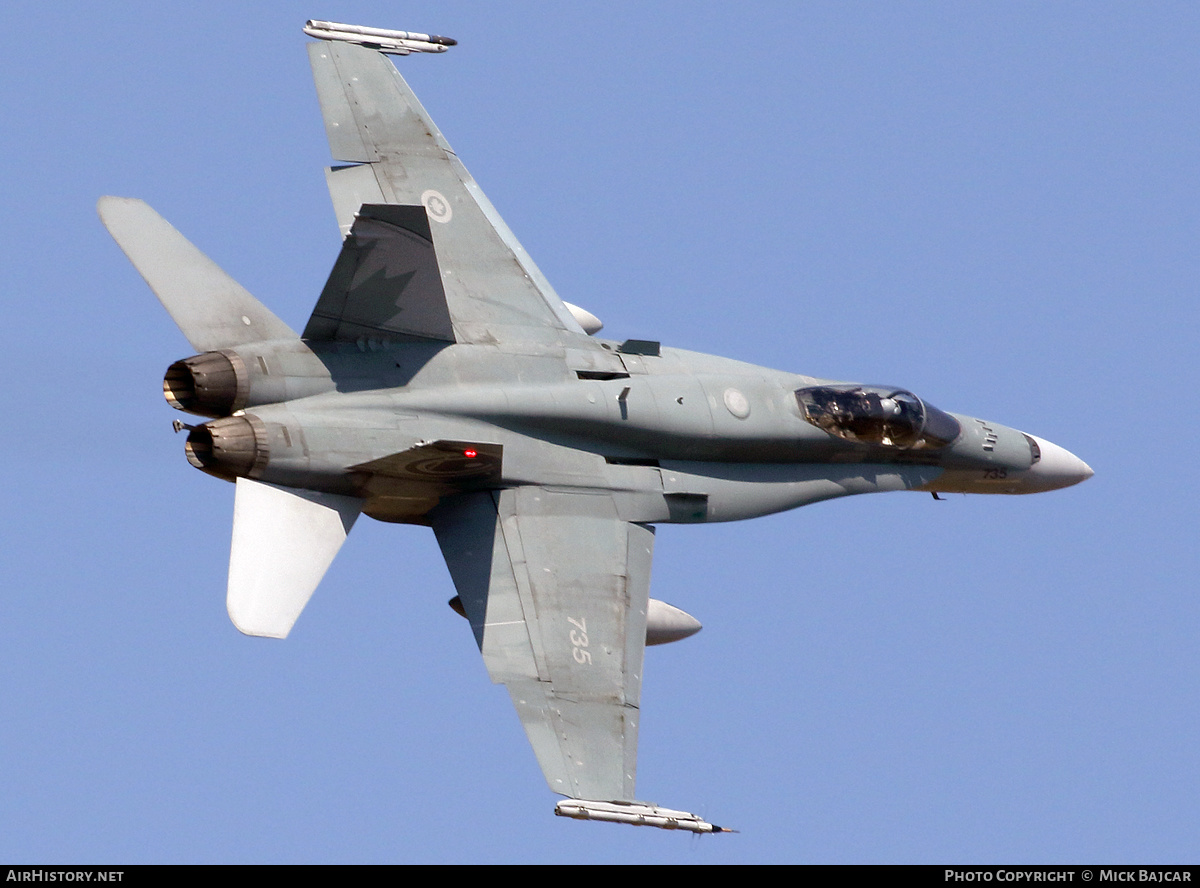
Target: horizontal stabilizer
{"x":283,"y":542}
{"x":457,"y":464}
{"x":212,"y":309}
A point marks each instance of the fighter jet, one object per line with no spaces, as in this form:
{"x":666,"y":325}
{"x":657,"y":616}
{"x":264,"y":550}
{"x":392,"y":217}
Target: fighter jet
{"x":441,"y":381}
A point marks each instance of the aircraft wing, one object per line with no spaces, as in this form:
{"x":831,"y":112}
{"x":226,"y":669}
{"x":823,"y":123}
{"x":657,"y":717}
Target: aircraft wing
{"x":556,"y":588}
{"x":396,"y":155}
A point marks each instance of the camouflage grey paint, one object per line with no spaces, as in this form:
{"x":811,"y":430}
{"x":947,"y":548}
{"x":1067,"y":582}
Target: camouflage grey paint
{"x":441,"y":381}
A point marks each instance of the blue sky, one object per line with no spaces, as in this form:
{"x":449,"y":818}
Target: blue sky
{"x":997,"y":206}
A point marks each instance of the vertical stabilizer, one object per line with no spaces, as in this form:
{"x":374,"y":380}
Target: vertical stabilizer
{"x":283,"y":542}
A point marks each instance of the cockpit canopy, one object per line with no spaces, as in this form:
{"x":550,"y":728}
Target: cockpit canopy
{"x":879,"y":415}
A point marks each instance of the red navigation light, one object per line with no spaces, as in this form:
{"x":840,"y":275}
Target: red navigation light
{"x":470,"y":454}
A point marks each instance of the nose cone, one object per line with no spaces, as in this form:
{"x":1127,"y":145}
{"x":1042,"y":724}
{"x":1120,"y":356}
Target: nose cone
{"x":1057,"y":468}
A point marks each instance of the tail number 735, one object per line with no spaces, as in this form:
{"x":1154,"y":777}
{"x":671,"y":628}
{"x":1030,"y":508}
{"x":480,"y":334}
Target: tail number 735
{"x":579,"y":641}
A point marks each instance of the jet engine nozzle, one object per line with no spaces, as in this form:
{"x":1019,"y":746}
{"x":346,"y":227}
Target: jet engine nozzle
{"x":230,"y":448}
{"x":220,"y":383}
{"x":211,"y":384}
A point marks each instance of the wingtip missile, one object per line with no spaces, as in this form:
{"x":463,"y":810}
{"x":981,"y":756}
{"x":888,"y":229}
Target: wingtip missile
{"x":382,"y":39}
{"x":636,"y":814}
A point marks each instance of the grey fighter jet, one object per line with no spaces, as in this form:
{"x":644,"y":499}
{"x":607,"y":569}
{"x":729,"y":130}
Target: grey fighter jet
{"x":442,"y":381}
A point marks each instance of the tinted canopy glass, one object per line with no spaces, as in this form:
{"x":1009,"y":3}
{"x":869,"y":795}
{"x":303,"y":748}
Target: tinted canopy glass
{"x":879,"y":415}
